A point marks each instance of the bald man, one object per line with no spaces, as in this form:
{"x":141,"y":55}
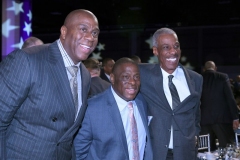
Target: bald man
{"x":32,"y":41}
{"x":39,"y":116}
{"x":219,"y":113}
{"x":106,"y":129}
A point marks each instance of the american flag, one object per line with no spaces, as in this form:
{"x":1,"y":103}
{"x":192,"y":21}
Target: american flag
{"x":16,"y":24}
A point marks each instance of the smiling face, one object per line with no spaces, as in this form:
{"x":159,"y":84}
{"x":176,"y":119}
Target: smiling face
{"x":126,"y":81}
{"x":79,"y":34}
{"x":168,"y":52}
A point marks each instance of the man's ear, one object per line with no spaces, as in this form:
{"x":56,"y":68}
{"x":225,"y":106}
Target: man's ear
{"x":63,"y":31}
{"x":112,"y":78}
{"x":155,"y":51}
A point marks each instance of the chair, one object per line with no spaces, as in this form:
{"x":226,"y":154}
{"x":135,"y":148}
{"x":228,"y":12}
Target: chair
{"x":237,"y":133}
{"x":204,"y":142}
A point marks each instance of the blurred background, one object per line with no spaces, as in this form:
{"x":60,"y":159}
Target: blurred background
{"x":207,"y":29}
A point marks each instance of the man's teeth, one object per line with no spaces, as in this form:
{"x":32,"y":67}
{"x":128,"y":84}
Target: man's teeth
{"x":85,"y":46}
{"x":171,"y":59}
{"x":131,"y":90}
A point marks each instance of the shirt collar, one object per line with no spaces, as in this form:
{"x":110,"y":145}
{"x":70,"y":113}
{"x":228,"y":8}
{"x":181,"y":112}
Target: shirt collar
{"x":120,"y":102}
{"x":175,"y":73}
{"x":66,"y":58}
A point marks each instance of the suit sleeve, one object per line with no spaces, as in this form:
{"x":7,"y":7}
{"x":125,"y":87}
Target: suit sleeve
{"x":230,"y":99}
{"x":14,"y":84}
{"x":83,"y":139}
{"x":198,"y":112}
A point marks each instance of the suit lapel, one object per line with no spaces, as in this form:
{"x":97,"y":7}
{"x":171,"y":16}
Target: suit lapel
{"x":84,"y":89}
{"x":142,"y":113}
{"x":190,"y":82}
{"x":117,"y":120}
{"x":157,"y":80}
{"x":188,"y":101}
{"x":61,"y":82}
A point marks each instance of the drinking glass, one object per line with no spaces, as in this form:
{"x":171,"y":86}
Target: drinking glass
{"x":217,"y":143}
{"x":229,"y":150}
{"x":221,"y":152}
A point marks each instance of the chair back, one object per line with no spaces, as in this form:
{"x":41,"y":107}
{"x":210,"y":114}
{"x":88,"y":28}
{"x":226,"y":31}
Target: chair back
{"x":204,"y":142}
{"x":237,"y":133}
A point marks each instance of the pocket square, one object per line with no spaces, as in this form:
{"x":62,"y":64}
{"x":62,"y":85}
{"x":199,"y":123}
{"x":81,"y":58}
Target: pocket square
{"x":149,"y":119}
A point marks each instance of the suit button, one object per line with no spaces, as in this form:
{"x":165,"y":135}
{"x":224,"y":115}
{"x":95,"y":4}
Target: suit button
{"x":166,"y":146}
{"x":173,"y":114}
{"x":54,"y":119}
{"x":169,"y":130}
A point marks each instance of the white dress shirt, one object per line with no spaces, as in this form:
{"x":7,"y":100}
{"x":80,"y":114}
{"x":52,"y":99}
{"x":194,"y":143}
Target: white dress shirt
{"x":181,"y":85}
{"x":124,"y":111}
{"x":108,"y":76}
{"x":68,"y":62}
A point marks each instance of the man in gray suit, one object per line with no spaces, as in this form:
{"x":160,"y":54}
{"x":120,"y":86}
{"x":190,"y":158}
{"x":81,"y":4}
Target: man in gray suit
{"x":174,"y":126}
{"x":106,"y":129}
{"x":38,"y":117}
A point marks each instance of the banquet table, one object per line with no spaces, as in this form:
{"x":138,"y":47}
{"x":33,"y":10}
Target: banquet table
{"x":215,"y":156}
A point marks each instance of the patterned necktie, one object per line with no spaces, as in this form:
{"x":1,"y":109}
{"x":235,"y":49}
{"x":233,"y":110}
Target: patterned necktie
{"x":134,"y":132}
{"x":73,"y":84}
{"x":174,"y":93}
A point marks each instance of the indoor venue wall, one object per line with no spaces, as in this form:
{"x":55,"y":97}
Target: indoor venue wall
{"x":220,"y":44}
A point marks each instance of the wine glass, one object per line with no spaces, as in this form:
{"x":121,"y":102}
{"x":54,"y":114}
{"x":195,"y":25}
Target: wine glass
{"x":236,"y":150}
{"x":217,"y":143}
{"x":221,"y":152}
{"x":229,"y":150}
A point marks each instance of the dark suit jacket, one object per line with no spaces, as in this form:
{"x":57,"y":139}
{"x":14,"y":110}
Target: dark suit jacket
{"x":103,"y":76}
{"x":184,"y":119}
{"x":36,"y":104}
{"x":102,"y":134}
{"x":218,"y":103}
{"x":98,"y":85}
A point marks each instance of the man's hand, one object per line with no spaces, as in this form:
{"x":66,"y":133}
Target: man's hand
{"x":235,"y":124}
{"x":196,"y":140}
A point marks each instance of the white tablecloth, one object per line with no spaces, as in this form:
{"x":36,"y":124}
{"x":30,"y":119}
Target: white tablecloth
{"x":211,"y":156}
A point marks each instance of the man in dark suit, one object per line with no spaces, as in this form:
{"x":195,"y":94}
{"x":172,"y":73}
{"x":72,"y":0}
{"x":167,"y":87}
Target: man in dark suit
{"x":219,"y":113}
{"x":38,"y":117}
{"x":107,"y":66}
{"x":174,"y":126}
{"x":98,"y":85}
{"x":106,"y":128}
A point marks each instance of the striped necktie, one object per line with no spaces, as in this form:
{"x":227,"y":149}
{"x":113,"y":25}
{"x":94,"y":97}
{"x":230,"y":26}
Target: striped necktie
{"x":74,"y":85}
{"x":174,"y":93}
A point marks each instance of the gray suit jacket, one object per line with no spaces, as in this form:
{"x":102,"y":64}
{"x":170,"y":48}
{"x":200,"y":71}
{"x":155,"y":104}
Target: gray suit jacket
{"x":36,"y":104}
{"x":102,"y":134}
{"x":98,"y":85}
{"x":184,"y":119}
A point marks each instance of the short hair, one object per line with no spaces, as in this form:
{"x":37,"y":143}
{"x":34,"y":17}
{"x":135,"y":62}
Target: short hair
{"x":121,"y":61}
{"x":160,"y":32}
{"x":31,"y":41}
{"x":105,"y":60}
{"x":91,"y":64}
{"x":210,"y":65}
{"x":136,"y":58}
